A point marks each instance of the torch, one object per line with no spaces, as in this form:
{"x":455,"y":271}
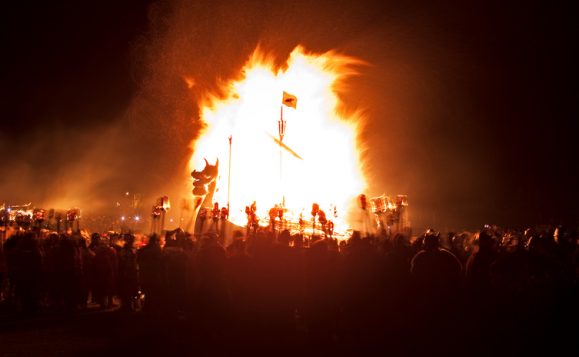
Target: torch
{"x":315,"y":210}
{"x":72,"y":215}
{"x":39,"y":214}
{"x":165,"y":206}
{"x":155,"y":214}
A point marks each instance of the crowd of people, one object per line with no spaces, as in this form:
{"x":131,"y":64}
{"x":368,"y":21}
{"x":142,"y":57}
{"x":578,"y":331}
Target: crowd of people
{"x":484,"y":289}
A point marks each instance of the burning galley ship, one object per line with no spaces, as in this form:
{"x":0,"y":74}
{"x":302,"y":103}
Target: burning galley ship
{"x":278,"y":139}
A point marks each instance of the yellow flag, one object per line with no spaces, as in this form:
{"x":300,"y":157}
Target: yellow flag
{"x":289,"y":100}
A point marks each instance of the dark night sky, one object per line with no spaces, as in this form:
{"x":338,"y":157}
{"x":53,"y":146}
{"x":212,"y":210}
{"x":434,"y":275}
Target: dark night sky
{"x":470,"y":106}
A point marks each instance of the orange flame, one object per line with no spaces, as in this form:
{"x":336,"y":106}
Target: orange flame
{"x":319,"y":159}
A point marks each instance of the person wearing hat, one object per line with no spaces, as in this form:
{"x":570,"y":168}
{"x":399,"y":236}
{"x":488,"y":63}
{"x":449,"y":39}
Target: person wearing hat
{"x":435,"y":268}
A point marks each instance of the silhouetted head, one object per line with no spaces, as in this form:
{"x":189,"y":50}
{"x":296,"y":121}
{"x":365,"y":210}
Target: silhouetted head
{"x":237,"y":234}
{"x":561,"y":235}
{"x":53,"y":238}
{"x":179,"y":233}
{"x":356,"y":236}
{"x":129,"y":240}
{"x":531,"y":243}
{"x":485,"y":240}
{"x":431,"y":239}
{"x":529,"y":232}
{"x":95,"y":238}
{"x":154,"y":239}
{"x":82,"y":242}
{"x":236,"y":247}
{"x":170,"y":242}
{"x":284,"y":237}
{"x":399,"y":240}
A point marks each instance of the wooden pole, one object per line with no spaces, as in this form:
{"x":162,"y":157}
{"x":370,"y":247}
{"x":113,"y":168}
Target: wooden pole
{"x":281,"y":128}
{"x":229,"y":176}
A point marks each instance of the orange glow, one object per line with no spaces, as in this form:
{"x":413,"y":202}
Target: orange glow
{"x":324,"y":166}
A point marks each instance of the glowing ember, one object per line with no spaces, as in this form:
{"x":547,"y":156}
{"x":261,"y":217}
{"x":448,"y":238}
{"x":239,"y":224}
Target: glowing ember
{"x":319,"y":160}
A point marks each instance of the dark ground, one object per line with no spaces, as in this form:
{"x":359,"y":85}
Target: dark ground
{"x":111,"y":332}
{"x":95,"y":332}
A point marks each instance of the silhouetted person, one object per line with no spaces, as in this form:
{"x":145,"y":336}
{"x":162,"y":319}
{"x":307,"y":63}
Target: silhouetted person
{"x":212,"y":287}
{"x":86,"y":257}
{"x":128,"y":273}
{"x":174,"y":276}
{"x":11,"y":256}
{"x":437,"y":277}
{"x":478,"y":266}
{"x":105,"y":273}
{"x":361,"y":288}
{"x":279,"y":264}
{"x":434,"y":268}
{"x":51,"y":272}
{"x":457,"y":247}
{"x":27,"y":272}
{"x":68,"y":271}
{"x":239,"y":280}
{"x":322,"y":292}
{"x":397,"y":283}
{"x":150,"y":260}
{"x":3,"y":272}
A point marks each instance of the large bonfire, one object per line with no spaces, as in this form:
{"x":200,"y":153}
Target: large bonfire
{"x":316,"y":160}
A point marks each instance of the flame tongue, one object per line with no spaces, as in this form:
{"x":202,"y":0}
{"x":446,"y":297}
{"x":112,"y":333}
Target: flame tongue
{"x":317,"y":159}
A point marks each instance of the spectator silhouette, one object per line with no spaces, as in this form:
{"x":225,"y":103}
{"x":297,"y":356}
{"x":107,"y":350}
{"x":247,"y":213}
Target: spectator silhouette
{"x":86,"y":257}
{"x":174,"y":276}
{"x":128,"y":274}
{"x":150,"y":259}
{"x":478,"y":266}
{"x":212,"y":288}
{"x":105,"y":266}
{"x":26,"y":270}
{"x":436,"y":273}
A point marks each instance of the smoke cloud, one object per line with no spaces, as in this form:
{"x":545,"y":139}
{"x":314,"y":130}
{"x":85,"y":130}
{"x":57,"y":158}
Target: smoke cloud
{"x":432,"y":95}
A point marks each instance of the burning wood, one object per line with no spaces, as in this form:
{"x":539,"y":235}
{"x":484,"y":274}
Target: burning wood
{"x":327,"y":170}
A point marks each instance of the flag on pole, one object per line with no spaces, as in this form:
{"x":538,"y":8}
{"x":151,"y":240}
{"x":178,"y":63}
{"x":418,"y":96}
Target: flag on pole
{"x":289,"y":100}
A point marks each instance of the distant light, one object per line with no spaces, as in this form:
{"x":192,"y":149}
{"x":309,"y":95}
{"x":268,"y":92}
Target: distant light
{"x":137,"y":218}
{"x":127,"y":193}
{"x":171,"y":220}
{"x":122,"y":218}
